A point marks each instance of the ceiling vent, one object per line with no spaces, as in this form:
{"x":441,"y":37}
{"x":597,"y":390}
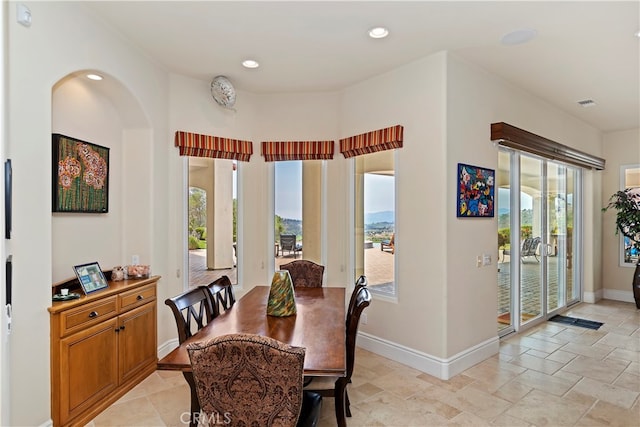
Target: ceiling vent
{"x":587,"y":103}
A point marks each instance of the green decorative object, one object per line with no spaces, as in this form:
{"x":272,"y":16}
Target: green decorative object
{"x":282,"y":301}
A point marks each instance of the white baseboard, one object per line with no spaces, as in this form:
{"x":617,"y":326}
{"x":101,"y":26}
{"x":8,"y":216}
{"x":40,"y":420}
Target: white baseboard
{"x":166,"y":347}
{"x":432,"y":365}
{"x":616,"y":295}
{"x":592,"y":297}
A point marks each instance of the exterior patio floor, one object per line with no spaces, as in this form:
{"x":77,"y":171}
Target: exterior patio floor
{"x":379,"y":269}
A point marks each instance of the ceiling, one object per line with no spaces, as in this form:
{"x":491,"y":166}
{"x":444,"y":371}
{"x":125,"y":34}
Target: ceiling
{"x":583,"y":49}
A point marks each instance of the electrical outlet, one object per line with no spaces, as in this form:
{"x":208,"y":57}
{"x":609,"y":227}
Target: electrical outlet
{"x":363,"y":318}
{"x":135,"y":260}
{"x":486,"y":259}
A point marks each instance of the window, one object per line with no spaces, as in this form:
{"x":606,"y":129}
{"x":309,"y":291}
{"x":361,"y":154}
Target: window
{"x":629,"y":178}
{"x":288,"y":211}
{"x":212,"y":220}
{"x":375,"y":221}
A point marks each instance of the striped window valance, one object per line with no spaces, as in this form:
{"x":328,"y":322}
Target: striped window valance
{"x":196,"y":145}
{"x":370,"y":142}
{"x":297,"y":150}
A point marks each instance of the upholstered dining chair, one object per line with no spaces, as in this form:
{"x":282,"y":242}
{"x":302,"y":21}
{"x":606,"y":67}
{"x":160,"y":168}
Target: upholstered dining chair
{"x":337,"y":387}
{"x":192,"y":311}
{"x":305,"y":273}
{"x":221,"y":296}
{"x":252,"y":380}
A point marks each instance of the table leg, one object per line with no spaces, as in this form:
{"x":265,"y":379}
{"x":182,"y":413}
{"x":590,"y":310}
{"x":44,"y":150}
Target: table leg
{"x":340,"y":392}
{"x":195,"y":404}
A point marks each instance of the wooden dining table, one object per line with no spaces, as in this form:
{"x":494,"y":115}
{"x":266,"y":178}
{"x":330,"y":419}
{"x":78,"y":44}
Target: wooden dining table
{"x":318,"y":325}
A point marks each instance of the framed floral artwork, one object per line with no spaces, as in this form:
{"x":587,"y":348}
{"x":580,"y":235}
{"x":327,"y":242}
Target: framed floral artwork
{"x":80,"y":176}
{"x":476,"y":189}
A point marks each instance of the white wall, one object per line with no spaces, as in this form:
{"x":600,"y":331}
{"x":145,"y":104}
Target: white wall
{"x":412,"y":96}
{"x":475,"y":100}
{"x":620,"y":148}
{"x":39,"y":56}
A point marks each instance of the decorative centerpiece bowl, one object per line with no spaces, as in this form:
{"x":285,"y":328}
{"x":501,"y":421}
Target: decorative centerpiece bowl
{"x":137,"y":271}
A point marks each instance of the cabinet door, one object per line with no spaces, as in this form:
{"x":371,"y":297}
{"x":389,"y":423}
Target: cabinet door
{"x":137,"y":340}
{"x":88,"y":368}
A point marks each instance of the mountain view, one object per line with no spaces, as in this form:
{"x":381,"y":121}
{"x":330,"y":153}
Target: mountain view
{"x":374,"y":217}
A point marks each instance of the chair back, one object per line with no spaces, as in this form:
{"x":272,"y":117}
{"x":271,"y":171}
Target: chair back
{"x":305,"y":273}
{"x":362,"y":300}
{"x":221,"y":296}
{"x":360,"y":283}
{"x":288,"y":241}
{"x":191,"y":310}
{"x":248,"y":379}
{"x":530,"y":246}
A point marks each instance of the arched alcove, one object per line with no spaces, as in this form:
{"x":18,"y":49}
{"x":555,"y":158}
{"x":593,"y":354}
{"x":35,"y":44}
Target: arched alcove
{"x":105,"y":113}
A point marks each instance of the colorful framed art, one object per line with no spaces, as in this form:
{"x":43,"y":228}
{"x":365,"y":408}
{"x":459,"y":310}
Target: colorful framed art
{"x":476,"y":190}
{"x":80,"y":176}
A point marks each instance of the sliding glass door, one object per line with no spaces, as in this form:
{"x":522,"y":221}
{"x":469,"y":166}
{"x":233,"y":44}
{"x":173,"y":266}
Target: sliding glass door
{"x":537,"y":269}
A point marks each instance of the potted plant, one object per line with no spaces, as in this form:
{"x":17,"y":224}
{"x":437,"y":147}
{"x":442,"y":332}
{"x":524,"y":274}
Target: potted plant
{"x":627,"y":205}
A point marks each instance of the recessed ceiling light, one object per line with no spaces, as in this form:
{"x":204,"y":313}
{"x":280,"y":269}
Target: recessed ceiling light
{"x":378,"y":33}
{"x":94,"y":76}
{"x":520,"y":36}
{"x":250,"y":63}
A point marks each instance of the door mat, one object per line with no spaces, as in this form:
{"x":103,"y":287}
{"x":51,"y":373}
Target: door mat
{"x":574,"y":321}
{"x":505,"y":318}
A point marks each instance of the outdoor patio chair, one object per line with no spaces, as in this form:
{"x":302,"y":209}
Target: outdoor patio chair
{"x":529,"y":248}
{"x":389,"y":244}
{"x":288,"y":243}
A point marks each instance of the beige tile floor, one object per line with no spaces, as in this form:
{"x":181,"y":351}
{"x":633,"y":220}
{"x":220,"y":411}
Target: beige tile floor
{"x":551,"y":375}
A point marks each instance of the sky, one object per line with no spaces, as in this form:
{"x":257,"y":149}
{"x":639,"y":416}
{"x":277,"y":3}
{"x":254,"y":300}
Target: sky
{"x":288,"y":203}
{"x":526,"y":201}
{"x":379,"y":191}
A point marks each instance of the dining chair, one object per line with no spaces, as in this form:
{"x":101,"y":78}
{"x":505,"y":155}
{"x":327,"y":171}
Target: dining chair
{"x":305,"y":273}
{"x":192,"y":311}
{"x":360,"y":283}
{"x":337,"y":387}
{"x":221,"y":296}
{"x":252,"y":380}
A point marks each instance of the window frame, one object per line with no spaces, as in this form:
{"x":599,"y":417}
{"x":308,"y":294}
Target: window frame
{"x":623,"y":185}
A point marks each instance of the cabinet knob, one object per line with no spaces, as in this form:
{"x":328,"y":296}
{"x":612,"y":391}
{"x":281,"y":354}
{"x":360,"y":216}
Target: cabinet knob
{"x":93,"y":314}
{"x":139,"y":297}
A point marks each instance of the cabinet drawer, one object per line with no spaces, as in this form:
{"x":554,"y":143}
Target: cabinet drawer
{"x":137,"y":297}
{"x":88,"y":314}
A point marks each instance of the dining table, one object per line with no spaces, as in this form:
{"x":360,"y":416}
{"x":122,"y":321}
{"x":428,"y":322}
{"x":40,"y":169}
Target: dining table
{"x":318,"y":326}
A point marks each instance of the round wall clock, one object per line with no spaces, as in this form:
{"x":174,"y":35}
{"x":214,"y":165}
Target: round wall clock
{"x":223,"y":91}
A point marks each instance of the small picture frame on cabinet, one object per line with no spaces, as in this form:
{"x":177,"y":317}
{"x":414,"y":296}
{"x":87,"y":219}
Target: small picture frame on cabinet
{"x":91,"y":277}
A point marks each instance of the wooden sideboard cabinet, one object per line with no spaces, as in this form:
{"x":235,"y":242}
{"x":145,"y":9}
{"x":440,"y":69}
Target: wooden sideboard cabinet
{"x":102,"y":345}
